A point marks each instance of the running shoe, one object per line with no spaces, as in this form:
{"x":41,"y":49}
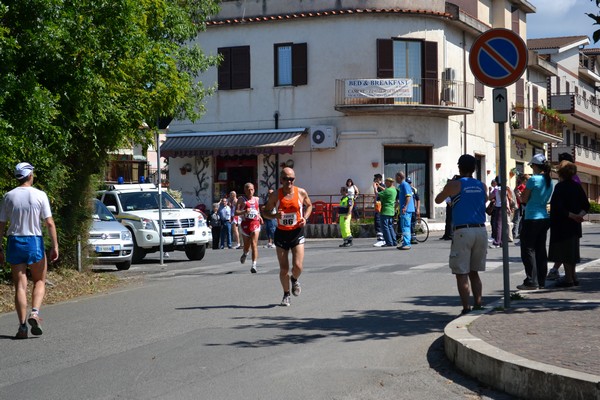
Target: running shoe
{"x":379,"y":243}
{"x":552,"y":275}
{"x":253,"y":269}
{"x":238,"y":247}
{"x":21,"y":333}
{"x":296,"y":288}
{"x":285,"y":302}
{"x":36,"y":324}
{"x":243,"y":258}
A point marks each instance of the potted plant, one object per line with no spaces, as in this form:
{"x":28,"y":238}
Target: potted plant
{"x":518,"y":107}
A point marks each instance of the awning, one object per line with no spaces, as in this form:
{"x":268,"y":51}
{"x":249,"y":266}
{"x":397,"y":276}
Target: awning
{"x":231,"y":143}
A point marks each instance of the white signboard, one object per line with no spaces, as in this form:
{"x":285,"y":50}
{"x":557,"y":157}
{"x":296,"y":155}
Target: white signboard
{"x":379,"y":88}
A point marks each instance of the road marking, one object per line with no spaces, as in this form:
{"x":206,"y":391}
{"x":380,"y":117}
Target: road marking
{"x":367,"y":268}
{"x":428,"y":266}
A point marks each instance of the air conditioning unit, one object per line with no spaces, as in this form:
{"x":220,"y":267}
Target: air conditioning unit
{"x":323,"y":137}
{"x":449,"y":95}
{"x":449,"y":74}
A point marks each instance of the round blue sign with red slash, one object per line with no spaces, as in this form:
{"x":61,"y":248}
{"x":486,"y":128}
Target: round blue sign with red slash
{"x":498,"y":57}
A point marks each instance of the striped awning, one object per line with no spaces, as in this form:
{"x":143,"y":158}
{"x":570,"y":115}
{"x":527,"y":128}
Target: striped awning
{"x":231,"y":143}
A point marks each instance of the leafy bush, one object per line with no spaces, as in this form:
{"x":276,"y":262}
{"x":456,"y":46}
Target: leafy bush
{"x":594,"y":208}
{"x":5,"y":275}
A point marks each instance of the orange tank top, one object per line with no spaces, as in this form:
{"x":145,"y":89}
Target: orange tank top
{"x":291,"y":208}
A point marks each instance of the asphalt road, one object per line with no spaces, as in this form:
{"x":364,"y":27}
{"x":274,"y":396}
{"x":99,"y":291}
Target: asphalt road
{"x":368,"y":325}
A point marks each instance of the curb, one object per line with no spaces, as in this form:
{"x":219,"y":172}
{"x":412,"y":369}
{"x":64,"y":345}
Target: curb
{"x":510,"y":373}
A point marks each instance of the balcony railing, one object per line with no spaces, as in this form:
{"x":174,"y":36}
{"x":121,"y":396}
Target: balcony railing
{"x":536,"y":125}
{"x":441,"y":97}
{"x":577,"y":104}
{"x":585,"y":157}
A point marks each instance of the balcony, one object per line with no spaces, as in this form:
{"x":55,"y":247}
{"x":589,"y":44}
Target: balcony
{"x":579,"y":110}
{"x":397,"y":96}
{"x":587,"y":159}
{"x":536,"y":125}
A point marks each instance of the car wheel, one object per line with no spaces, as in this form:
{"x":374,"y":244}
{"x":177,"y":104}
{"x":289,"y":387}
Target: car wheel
{"x":124,"y":266}
{"x":138,"y":252}
{"x":195,"y":252}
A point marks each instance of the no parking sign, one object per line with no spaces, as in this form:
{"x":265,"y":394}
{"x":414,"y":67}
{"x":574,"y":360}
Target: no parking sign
{"x":498,"y":57}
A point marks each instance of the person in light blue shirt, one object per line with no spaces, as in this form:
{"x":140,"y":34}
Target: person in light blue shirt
{"x":407,"y":208}
{"x":536,"y":223}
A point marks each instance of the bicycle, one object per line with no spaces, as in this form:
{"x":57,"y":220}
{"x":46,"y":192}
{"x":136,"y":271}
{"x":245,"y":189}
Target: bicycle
{"x":421,"y":230}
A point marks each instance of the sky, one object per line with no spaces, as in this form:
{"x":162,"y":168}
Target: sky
{"x":562,"y":18}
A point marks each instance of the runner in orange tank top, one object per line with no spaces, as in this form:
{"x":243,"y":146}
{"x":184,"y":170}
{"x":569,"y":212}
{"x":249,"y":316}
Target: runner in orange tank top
{"x":289,"y":234}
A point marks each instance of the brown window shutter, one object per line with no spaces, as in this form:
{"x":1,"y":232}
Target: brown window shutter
{"x":468,"y":6}
{"x":224,"y":70}
{"x":240,"y":67}
{"x":385,"y":58}
{"x":520,"y":91}
{"x":515,"y":13}
{"x":299,"y":64}
{"x":430,"y":73}
{"x":479,"y":89}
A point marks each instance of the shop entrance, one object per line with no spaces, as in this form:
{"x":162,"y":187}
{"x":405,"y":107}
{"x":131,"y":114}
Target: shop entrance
{"x":233,"y":172}
{"x":414,"y":162}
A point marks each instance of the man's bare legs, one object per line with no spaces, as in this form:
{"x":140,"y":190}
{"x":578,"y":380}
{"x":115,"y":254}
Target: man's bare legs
{"x":284,"y":265}
{"x":462,"y":282}
{"x":19,"y":276}
{"x":38,"y":276}
{"x":251,"y":244}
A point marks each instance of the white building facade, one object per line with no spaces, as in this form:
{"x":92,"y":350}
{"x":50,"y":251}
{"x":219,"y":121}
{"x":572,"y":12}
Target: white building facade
{"x":341,"y":91}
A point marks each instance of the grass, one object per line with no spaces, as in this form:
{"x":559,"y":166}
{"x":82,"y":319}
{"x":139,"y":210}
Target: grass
{"x":63,"y":284}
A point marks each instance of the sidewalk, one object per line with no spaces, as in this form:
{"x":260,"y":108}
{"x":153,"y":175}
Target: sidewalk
{"x":546,"y":346}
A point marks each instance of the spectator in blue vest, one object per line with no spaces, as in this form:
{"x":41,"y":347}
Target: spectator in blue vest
{"x":406,"y":210}
{"x":469,"y":243}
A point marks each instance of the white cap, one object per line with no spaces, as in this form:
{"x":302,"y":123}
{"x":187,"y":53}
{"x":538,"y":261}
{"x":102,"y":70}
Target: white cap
{"x":23,"y":170}
{"x":538,"y":159}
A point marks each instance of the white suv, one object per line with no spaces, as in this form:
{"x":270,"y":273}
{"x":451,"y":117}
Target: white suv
{"x":136,"y":207}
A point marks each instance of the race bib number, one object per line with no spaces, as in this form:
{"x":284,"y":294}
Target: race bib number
{"x":252,"y":214}
{"x":289,"y":219}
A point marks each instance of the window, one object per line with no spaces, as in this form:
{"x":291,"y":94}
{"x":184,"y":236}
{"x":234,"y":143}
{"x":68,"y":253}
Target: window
{"x":291,"y":64}
{"x":585,"y":141}
{"x":234,"y":70}
{"x":412,"y":59}
{"x":577,"y":138}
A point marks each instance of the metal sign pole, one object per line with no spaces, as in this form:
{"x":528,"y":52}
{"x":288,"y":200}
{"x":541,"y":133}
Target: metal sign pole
{"x":160,"y":220}
{"x":501,"y":117}
{"x":503,"y":183}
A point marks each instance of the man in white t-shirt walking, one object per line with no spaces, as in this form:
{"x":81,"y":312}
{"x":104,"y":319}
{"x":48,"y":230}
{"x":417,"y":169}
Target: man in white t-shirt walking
{"x":25,"y":207}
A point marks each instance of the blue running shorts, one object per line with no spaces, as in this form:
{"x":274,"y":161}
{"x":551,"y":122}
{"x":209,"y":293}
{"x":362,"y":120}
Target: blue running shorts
{"x":24,"y":249}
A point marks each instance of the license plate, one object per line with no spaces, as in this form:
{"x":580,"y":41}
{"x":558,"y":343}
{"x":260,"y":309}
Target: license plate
{"x":107,"y":249}
{"x":180,"y":231}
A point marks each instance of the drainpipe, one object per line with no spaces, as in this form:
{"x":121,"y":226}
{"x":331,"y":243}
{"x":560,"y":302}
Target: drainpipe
{"x":464,"y":91}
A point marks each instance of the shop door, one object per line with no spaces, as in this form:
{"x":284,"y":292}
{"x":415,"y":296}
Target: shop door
{"x":414,"y":162}
{"x":233,"y":172}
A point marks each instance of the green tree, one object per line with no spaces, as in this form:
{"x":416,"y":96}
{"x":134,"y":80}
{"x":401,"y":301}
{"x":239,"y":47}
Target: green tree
{"x":596,"y":18}
{"x":79,"y":77}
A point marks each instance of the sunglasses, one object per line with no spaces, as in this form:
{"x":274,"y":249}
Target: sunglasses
{"x":288,"y":179}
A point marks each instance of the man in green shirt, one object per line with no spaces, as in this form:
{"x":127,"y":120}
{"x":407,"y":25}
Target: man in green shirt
{"x":388,"y":202}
